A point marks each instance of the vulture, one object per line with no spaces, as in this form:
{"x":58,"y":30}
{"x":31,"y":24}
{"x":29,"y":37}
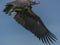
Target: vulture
{"x":29,"y":20}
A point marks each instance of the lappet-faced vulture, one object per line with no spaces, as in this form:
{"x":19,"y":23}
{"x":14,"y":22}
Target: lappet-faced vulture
{"x":28,"y":19}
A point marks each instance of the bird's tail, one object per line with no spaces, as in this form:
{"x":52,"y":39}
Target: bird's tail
{"x":9,"y":9}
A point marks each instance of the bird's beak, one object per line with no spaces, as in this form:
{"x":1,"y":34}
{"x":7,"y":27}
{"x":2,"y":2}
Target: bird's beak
{"x":35,"y":3}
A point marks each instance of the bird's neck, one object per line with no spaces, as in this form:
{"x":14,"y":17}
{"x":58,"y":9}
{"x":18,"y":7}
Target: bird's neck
{"x":23,"y":0}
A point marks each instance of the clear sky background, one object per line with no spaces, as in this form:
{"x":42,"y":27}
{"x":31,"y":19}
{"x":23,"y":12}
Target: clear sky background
{"x":12,"y":33}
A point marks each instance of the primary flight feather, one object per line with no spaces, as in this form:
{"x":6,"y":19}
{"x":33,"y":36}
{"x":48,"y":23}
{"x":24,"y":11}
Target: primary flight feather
{"x":28,"y":19}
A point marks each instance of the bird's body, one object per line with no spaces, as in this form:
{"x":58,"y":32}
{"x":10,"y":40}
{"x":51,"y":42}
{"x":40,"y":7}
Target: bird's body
{"x":28,"y":19}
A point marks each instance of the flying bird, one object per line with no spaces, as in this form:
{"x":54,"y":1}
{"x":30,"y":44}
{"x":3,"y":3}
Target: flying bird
{"x":28,"y":19}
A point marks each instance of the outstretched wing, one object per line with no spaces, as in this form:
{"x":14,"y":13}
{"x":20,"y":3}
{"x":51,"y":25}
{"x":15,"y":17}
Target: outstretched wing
{"x":27,"y":18}
{"x":34,"y":24}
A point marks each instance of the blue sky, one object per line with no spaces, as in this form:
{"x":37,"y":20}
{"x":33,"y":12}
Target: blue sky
{"x":12,"y":33}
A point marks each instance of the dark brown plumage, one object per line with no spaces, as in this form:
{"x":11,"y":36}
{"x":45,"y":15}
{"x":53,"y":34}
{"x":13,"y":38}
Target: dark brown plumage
{"x":28,"y":19}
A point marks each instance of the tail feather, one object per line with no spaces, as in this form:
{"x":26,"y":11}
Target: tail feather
{"x":7,"y":9}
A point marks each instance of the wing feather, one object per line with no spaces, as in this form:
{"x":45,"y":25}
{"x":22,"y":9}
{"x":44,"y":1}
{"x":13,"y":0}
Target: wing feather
{"x":34,"y":24}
